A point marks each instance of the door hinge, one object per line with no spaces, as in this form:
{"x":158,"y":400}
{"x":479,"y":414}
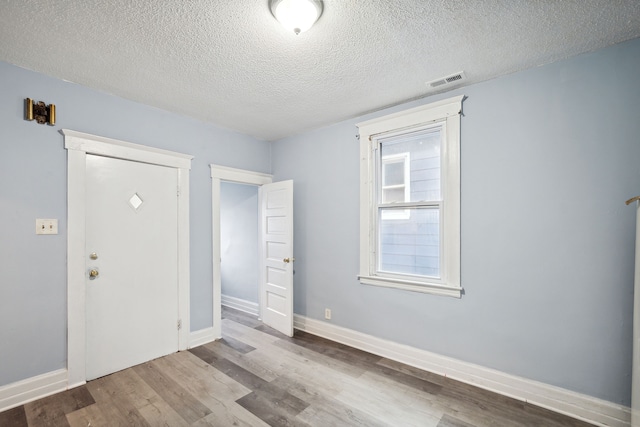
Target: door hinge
{"x":179,"y":324}
{"x":178,"y":191}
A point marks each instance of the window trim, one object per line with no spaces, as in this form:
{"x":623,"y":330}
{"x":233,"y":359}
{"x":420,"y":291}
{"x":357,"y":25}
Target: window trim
{"x":447,"y":111}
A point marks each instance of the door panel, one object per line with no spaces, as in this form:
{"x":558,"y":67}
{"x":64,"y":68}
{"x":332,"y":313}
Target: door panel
{"x":635,"y":366}
{"x":276,"y":203}
{"x":132,"y":228}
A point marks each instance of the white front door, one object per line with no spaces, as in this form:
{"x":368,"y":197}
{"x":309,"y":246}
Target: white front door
{"x":276,"y":205}
{"x":132,"y":248}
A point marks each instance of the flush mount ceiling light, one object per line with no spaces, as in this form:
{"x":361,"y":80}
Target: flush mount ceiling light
{"x":296,"y":15}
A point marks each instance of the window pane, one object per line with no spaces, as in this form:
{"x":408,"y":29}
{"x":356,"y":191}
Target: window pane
{"x":410,"y":245}
{"x":393,"y":173}
{"x":391,"y":195}
{"x":423,"y":150}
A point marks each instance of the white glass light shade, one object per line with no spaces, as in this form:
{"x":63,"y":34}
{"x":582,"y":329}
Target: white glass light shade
{"x":296,"y":15}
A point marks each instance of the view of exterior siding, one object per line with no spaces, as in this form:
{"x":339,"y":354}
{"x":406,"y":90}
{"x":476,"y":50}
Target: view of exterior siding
{"x":410,"y":236}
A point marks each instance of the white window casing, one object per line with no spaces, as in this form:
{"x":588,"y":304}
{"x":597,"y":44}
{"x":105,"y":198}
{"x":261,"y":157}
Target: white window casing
{"x":447,"y":113}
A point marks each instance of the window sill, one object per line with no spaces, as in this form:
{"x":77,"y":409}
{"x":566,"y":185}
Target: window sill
{"x":407,"y":285}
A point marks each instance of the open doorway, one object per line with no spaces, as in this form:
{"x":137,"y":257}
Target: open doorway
{"x":275,"y":245}
{"x":239,"y":247}
{"x":220,"y":174}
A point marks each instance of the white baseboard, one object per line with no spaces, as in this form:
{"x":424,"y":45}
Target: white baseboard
{"x":203,"y":336}
{"x":21,"y":392}
{"x":580,"y":406}
{"x":30,"y":389}
{"x":241,"y":304}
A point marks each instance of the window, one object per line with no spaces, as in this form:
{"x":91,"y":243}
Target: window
{"x":410,"y":199}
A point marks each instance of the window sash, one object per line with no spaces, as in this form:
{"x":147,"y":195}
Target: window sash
{"x":401,"y":211}
{"x":410,"y":252}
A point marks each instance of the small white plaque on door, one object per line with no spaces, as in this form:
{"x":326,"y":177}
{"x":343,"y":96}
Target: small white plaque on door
{"x":135,"y":201}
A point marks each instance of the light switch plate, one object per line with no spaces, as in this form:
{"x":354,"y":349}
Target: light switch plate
{"x":46,"y":226}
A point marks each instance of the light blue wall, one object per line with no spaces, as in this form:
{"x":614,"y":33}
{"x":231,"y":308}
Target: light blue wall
{"x":549,"y":156}
{"x":239,"y":240}
{"x":33,"y":185}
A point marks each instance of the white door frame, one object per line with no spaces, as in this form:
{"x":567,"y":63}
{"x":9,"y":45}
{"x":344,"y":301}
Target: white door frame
{"x":241,"y":176}
{"x":78,"y":145}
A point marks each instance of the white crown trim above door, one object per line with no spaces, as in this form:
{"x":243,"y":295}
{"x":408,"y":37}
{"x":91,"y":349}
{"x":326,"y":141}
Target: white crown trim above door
{"x":78,"y":145}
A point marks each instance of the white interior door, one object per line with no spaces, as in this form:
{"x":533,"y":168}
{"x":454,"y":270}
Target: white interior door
{"x":132,"y":246}
{"x":635,"y":368}
{"x":276,"y":205}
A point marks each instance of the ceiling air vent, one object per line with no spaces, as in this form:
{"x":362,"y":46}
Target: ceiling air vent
{"x":448,"y":80}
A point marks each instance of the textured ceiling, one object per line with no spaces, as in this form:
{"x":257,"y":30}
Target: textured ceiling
{"x":231,"y":63}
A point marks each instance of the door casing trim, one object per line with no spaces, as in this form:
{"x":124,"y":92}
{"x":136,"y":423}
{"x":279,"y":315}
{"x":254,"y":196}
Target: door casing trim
{"x":78,"y":145}
{"x":241,"y":176}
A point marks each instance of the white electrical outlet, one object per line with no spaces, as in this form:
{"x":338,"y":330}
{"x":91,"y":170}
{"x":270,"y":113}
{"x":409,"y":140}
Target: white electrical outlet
{"x":46,"y":226}
{"x":327,"y":313}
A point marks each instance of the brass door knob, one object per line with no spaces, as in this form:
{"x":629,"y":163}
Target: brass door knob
{"x":288,"y":260}
{"x":93,"y":273}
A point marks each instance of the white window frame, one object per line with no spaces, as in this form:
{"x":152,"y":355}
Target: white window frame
{"x":447,"y":112}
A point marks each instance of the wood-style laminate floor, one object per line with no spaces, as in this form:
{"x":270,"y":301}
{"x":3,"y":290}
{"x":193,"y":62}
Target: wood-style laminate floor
{"x":256,"y":376}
